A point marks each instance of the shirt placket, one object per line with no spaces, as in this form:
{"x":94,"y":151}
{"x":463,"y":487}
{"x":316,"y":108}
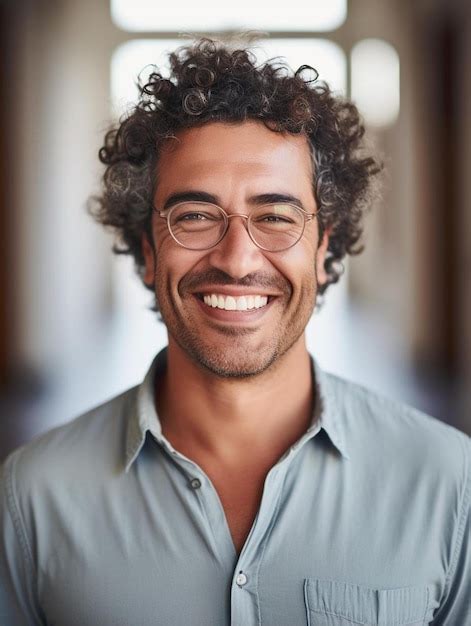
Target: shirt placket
{"x":245,"y":604}
{"x":202,"y":490}
{"x":245,"y":601}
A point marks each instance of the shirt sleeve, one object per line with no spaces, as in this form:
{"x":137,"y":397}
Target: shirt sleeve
{"x":455,"y":608}
{"x":18,"y":603}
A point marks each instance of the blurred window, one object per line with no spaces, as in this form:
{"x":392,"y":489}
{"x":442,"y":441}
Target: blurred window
{"x":132,"y":59}
{"x":375,"y":81}
{"x":211,"y":15}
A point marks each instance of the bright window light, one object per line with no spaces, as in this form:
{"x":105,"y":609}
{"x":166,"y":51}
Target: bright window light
{"x":325,"y":56}
{"x":375,"y":81}
{"x":135,"y":57}
{"x":210,"y":15}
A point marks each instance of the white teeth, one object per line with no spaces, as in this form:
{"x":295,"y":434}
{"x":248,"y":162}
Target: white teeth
{"x":241,"y":304}
{"x":230,"y":303}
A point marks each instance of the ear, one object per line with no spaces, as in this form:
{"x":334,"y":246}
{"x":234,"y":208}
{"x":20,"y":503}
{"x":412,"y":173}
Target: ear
{"x":320,"y":257}
{"x":149,"y":261}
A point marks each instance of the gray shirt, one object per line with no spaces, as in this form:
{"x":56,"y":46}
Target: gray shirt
{"x":365,"y":520}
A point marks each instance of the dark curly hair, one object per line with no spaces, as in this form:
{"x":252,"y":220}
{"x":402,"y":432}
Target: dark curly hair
{"x":212,"y":82}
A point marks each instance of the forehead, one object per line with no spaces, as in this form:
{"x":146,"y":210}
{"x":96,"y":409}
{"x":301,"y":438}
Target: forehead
{"x":242,"y":154}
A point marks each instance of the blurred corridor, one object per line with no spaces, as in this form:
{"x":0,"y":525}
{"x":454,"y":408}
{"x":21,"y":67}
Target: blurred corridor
{"x":75,"y":324}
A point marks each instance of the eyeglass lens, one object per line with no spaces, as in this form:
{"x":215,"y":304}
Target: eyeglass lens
{"x":199,"y":226}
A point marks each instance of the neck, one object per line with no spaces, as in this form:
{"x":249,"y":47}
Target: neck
{"x":225,"y":419}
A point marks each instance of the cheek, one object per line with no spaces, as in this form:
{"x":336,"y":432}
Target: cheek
{"x":300,"y":259}
{"x":298,"y":266}
{"x":173,"y":264}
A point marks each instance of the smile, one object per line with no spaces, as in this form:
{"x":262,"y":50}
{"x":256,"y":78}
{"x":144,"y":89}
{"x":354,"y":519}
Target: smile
{"x":231,"y":303}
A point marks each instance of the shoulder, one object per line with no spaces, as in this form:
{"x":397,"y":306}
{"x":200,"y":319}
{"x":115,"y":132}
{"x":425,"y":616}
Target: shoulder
{"x":390,"y":431}
{"x":73,"y":450}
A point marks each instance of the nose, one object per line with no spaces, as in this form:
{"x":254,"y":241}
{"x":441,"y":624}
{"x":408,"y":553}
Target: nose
{"x":236,"y":254}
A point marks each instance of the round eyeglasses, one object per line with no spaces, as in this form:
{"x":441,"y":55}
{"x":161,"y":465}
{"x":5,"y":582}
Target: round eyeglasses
{"x":201,"y":225}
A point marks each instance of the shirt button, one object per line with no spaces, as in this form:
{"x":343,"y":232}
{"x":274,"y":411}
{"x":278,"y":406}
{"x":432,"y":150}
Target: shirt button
{"x":241,"y":579}
{"x":195,"y":483}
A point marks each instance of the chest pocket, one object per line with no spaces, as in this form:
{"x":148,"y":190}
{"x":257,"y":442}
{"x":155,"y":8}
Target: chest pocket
{"x":330,"y":603}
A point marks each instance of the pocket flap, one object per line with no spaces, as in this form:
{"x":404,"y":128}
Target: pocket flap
{"x":362,"y":605}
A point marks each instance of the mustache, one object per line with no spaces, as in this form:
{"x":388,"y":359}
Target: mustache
{"x":215,"y":277}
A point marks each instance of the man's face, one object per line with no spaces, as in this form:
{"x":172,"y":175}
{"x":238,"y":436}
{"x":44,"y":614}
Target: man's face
{"x":235,"y":164}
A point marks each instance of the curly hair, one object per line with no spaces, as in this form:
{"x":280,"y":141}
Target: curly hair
{"x":212,"y":82}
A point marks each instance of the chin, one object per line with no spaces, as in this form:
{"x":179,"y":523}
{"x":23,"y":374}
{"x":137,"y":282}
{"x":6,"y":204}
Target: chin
{"x":230,"y":362}
{"x":234,"y":369}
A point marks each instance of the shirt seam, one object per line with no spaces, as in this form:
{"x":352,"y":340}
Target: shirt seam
{"x":327,"y":612}
{"x":461,"y":527}
{"x":14,"y":511}
{"x":269,"y":531}
{"x":203,"y":505}
{"x":427,"y":602}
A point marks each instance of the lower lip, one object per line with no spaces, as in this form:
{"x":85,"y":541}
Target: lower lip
{"x":243,"y":317}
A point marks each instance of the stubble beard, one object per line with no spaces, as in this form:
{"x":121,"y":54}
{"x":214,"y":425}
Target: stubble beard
{"x":236,"y":356}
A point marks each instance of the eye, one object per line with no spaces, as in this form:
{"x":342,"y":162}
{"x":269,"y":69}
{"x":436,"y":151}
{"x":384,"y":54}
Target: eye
{"x":196,"y":216}
{"x":191,"y":217}
{"x":273,"y":217}
{"x":195,"y":213}
{"x":276,"y":215}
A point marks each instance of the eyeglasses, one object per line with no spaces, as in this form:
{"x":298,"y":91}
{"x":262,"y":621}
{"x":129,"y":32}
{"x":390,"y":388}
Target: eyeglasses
{"x":202,"y":225}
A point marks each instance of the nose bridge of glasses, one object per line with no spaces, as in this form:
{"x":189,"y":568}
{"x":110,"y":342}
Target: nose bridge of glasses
{"x":245,"y":219}
{"x":243,"y":215}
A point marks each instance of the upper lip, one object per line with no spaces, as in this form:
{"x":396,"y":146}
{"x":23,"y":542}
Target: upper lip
{"x":235,"y":291}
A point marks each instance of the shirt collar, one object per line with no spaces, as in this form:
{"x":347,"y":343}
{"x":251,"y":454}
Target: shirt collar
{"x":327,"y":412}
{"x":143,"y":417}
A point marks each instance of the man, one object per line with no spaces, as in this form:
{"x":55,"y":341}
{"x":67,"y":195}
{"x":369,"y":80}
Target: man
{"x":239,"y":484}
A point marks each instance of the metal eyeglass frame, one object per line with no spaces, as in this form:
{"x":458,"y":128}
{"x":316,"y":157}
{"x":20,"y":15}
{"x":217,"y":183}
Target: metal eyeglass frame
{"x":167,"y":213}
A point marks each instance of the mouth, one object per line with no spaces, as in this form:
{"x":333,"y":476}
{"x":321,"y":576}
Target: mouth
{"x":234,"y":309}
{"x":225,"y":302}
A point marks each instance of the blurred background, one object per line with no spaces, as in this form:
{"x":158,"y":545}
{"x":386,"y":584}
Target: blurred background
{"x":75,"y":324}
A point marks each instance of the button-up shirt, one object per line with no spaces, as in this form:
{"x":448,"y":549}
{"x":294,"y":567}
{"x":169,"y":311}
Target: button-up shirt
{"x":365,"y":520}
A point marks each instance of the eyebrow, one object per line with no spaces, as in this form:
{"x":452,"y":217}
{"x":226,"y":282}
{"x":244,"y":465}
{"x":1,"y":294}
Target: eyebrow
{"x":275,"y":198}
{"x":203,"y":196}
{"x":189,"y":196}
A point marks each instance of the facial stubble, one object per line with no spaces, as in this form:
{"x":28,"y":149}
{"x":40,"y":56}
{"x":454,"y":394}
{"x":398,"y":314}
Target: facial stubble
{"x":232,"y":354}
